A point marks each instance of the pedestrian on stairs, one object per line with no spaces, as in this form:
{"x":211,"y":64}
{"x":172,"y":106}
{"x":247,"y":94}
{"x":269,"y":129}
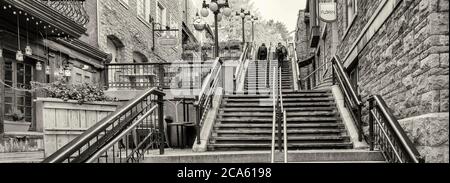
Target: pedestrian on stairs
{"x":262,"y":52}
{"x":281,"y":53}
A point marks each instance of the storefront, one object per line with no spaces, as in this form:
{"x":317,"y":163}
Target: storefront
{"x":35,"y":49}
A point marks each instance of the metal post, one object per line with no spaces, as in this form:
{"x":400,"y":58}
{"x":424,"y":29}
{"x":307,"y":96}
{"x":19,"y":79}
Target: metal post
{"x":253,"y":31}
{"x":359,"y":116}
{"x":162,"y":143}
{"x":153,"y":34}
{"x":334,"y":73}
{"x":161,"y":76}
{"x":371,"y":124}
{"x":243,"y":31}
{"x":197,"y":125}
{"x":216,"y":35}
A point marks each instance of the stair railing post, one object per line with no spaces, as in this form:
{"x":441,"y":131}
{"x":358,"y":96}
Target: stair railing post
{"x":371,"y":124}
{"x":279,"y":112}
{"x":106,"y":76}
{"x":198,"y":118}
{"x":162,"y":143}
{"x":334,"y":73}
{"x":161,"y":76}
{"x":359,"y":116}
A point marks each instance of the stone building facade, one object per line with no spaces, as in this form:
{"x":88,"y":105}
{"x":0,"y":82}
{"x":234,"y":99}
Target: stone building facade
{"x":397,"y":49}
{"x":125,"y":29}
{"x":59,"y":49}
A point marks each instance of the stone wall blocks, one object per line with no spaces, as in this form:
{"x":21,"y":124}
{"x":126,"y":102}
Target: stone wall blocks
{"x":443,"y":6}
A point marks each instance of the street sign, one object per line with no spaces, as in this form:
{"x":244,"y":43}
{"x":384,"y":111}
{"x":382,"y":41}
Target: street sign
{"x":168,"y":40}
{"x":328,"y":11}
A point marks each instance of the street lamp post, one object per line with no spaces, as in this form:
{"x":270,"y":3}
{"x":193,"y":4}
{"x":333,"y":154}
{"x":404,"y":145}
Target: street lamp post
{"x":243,"y":14}
{"x":253,"y":27}
{"x":215,"y":6}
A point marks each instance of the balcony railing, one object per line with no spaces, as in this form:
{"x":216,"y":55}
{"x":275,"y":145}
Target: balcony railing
{"x":66,"y":17}
{"x":73,"y":9}
{"x":140,"y":76}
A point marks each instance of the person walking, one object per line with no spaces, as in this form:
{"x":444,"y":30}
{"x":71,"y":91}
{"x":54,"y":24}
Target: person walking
{"x":281,"y":53}
{"x":262,"y":52}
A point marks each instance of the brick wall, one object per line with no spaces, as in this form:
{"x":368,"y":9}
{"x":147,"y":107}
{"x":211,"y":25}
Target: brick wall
{"x":406,"y":62}
{"x":122,"y":22}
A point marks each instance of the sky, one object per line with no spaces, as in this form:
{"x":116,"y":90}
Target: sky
{"x":285,"y":11}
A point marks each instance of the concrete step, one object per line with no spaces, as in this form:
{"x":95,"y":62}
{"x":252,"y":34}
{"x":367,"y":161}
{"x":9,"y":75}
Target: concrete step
{"x":290,"y":126}
{"x":289,"y":131}
{"x":269,"y":125}
{"x":270,"y":109}
{"x":286,"y":100}
{"x":289,"y":119}
{"x":250,"y":104}
{"x":269,"y":114}
{"x":312,"y":156}
{"x":290,"y":139}
{"x":291,"y":146}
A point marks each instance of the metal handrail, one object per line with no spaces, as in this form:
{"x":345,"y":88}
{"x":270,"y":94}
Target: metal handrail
{"x":205,"y":98}
{"x":269,"y":62}
{"x":283,"y":115}
{"x":341,"y":72}
{"x":296,"y":69}
{"x":162,"y":63}
{"x":121,"y":136}
{"x":274,"y":98}
{"x":314,"y":72}
{"x":397,"y":154}
{"x":285,"y":137}
{"x":351,"y":99}
{"x":241,"y":67}
{"x":397,"y":133}
{"x":75,"y":145}
{"x":216,"y":66}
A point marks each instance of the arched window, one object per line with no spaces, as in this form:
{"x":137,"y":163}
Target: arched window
{"x":142,"y":72}
{"x":114,"y":47}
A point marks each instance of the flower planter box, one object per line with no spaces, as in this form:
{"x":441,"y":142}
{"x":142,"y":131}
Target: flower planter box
{"x":16,"y":126}
{"x":62,"y":121}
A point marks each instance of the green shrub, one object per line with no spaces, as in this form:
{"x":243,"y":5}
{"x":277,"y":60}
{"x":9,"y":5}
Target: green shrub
{"x":80,"y":92}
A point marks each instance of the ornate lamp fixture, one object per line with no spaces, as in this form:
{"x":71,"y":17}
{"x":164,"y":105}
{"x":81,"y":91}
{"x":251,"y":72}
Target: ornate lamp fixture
{"x":218,"y":8}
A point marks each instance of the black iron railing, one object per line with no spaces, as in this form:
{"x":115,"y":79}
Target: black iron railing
{"x":275,"y":100}
{"x":205,"y":100}
{"x":387,"y":136}
{"x":72,"y":9}
{"x":121,"y":137}
{"x":140,"y":76}
{"x":352,"y":99}
{"x":269,"y":63}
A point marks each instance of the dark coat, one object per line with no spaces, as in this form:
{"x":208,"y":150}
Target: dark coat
{"x":281,"y":52}
{"x":262,"y":53}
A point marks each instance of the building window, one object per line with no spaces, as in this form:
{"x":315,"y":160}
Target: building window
{"x":143,"y":9}
{"x":352,"y":10}
{"x":17,"y":75}
{"x":161,"y":16}
{"x":353,"y":71}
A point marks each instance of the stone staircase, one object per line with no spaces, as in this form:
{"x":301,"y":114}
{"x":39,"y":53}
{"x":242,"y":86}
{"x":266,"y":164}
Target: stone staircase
{"x":244,"y":122}
{"x":316,"y":132}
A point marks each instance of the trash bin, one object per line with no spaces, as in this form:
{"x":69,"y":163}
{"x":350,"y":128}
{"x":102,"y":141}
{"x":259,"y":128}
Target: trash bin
{"x":171,"y":132}
{"x":190,"y":133}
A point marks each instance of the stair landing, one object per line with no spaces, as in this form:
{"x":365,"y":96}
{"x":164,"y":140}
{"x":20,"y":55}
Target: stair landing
{"x":312,"y":156}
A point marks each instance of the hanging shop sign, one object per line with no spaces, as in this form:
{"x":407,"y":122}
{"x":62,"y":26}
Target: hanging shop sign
{"x":328,"y":11}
